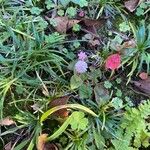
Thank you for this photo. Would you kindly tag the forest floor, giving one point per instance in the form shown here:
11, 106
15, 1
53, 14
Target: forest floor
74, 74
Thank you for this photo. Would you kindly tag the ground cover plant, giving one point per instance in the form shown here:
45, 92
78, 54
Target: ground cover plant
74, 74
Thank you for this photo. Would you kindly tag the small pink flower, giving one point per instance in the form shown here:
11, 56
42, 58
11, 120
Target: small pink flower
81, 66
82, 56
113, 61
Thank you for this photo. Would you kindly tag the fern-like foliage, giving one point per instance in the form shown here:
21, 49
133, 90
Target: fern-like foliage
134, 131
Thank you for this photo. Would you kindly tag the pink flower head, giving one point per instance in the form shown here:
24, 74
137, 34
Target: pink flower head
82, 56
113, 61
81, 66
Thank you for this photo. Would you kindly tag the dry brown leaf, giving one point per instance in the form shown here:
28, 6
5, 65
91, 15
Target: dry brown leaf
7, 122
64, 24
41, 141
131, 5
129, 44
71, 23
94, 42
126, 46
60, 101
50, 146
44, 145
8, 146
143, 85
92, 25
93, 22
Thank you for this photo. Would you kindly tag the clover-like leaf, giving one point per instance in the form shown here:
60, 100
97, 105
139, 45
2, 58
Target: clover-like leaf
79, 122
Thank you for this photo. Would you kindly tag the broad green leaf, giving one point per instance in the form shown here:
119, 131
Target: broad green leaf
85, 91
101, 94
75, 82
79, 122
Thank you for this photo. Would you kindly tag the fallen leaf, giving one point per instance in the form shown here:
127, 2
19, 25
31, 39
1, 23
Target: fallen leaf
127, 47
42, 143
50, 146
60, 101
131, 5
8, 146
71, 23
92, 25
93, 22
143, 85
94, 42
64, 24
143, 75
7, 122
129, 44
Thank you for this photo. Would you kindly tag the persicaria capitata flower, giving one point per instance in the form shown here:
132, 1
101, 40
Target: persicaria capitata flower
82, 56
81, 66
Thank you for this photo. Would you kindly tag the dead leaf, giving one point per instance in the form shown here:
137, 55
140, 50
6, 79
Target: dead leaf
131, 5
129, 44
64, 24
126, 47
7, 122
143, 85
50, 146
94, 42
143, 75
42, 143
8, 146
71, 23
60, 101
92, 25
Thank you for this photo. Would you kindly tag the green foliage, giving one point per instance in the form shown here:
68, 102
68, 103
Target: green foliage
135, 126
143, 8
139, 55
85, 91
117, 103
124, 27
75, 82
71, 11
79, 122
36, 10
37, 65
107, 84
